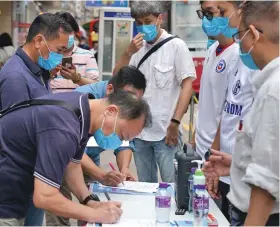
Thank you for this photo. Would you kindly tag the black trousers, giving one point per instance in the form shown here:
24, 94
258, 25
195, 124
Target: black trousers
238, 218
224, 190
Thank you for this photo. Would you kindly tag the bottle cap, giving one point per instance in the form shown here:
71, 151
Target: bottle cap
163, 185
193, 169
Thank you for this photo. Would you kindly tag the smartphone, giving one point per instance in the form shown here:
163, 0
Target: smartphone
67, 62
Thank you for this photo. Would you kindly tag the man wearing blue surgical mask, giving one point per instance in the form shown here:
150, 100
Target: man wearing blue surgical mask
84, 69
254, 166
169, 72
226, 92
26, 75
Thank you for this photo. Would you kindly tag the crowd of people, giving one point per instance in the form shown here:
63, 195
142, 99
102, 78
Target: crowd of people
52, 103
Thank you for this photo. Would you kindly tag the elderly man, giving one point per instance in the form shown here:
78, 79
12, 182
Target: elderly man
254, 189
49, 142
27, 75
169, 88
127, 79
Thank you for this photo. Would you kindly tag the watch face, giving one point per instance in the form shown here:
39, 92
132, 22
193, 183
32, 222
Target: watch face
94, 197
207, 155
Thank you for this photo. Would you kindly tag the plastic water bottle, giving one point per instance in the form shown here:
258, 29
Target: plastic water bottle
191, 189
200, 197
163, 203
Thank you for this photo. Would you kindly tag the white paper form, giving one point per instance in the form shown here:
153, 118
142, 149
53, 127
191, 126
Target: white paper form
137, 186
132, 223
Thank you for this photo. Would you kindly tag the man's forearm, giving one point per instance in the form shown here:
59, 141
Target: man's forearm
75, 181
184, 99
216, 142
124, 60
124, 159
261, 204
61, 206
85, 81
91, 169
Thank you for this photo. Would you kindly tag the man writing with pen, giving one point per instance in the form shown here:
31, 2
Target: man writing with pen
128, 79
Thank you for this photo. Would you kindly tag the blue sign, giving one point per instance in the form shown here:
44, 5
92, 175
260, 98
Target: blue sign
117, 14
107, 3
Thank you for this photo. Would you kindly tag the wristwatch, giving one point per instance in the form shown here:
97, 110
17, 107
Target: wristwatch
76, 80
207, 155
93, 197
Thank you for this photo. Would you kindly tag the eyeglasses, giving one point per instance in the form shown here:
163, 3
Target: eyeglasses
207, 14
236, 37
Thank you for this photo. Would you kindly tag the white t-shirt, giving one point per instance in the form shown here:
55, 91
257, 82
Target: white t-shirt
255, 161
164, 71
238, 103
217, 70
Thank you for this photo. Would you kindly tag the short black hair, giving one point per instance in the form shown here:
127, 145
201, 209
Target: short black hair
5, 40
49, 25
70, 20
237, 3
131, 107
128, 75
264, 15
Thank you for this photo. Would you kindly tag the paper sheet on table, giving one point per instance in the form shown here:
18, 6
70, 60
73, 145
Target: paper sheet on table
137, 186
132, 223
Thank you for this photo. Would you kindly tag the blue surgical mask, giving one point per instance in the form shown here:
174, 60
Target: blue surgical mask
71, 41
110, 142
210, 42
53, 60
247, 58
217, 26
150, 31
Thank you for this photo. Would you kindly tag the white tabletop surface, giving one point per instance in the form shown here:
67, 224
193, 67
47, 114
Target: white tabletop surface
143, 207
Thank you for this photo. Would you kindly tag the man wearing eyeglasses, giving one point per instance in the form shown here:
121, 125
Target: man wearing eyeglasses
254, 166
226, 89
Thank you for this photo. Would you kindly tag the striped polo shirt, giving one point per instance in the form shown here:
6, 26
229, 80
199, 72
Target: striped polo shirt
85, 64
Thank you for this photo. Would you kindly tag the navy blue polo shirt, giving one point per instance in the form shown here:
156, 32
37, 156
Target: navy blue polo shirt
39, 141
22, 79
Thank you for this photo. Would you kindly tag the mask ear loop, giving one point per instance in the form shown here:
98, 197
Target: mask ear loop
46, 44
116, 122
244, 37
102, 123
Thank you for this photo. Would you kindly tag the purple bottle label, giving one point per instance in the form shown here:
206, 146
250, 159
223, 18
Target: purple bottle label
205, 202
163, 202
198, 203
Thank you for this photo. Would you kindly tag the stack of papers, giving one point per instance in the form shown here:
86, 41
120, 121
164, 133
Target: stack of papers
132, 223
129, 187
143, 187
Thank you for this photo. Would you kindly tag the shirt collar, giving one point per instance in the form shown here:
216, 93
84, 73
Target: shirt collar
264, 74
31, 65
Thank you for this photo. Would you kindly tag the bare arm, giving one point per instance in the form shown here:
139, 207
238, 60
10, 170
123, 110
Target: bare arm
182, 105
85, 81
124, 159
216, 142
261, 204
112, 178
133, 47
91, 169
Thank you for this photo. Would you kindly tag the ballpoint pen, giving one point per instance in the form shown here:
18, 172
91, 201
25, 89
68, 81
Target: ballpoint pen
113, 168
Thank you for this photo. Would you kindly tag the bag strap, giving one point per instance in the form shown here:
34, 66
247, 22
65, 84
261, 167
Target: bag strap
154, 49
40, 102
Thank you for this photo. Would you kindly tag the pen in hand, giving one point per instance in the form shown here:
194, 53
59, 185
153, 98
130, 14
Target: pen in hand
113, 168
107, 196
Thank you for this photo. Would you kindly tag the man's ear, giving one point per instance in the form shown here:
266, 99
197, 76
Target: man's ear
38, 39
111, 110
109, 89
255, 32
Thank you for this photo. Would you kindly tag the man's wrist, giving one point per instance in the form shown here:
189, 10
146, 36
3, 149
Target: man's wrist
77, 78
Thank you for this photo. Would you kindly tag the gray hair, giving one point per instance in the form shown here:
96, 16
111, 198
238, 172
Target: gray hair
265, 15
145, 8
130, 106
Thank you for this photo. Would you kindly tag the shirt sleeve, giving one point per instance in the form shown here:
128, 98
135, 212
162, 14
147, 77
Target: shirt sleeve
55, 149
263, 171
184, 62
125, 146
13, 89
92, 69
